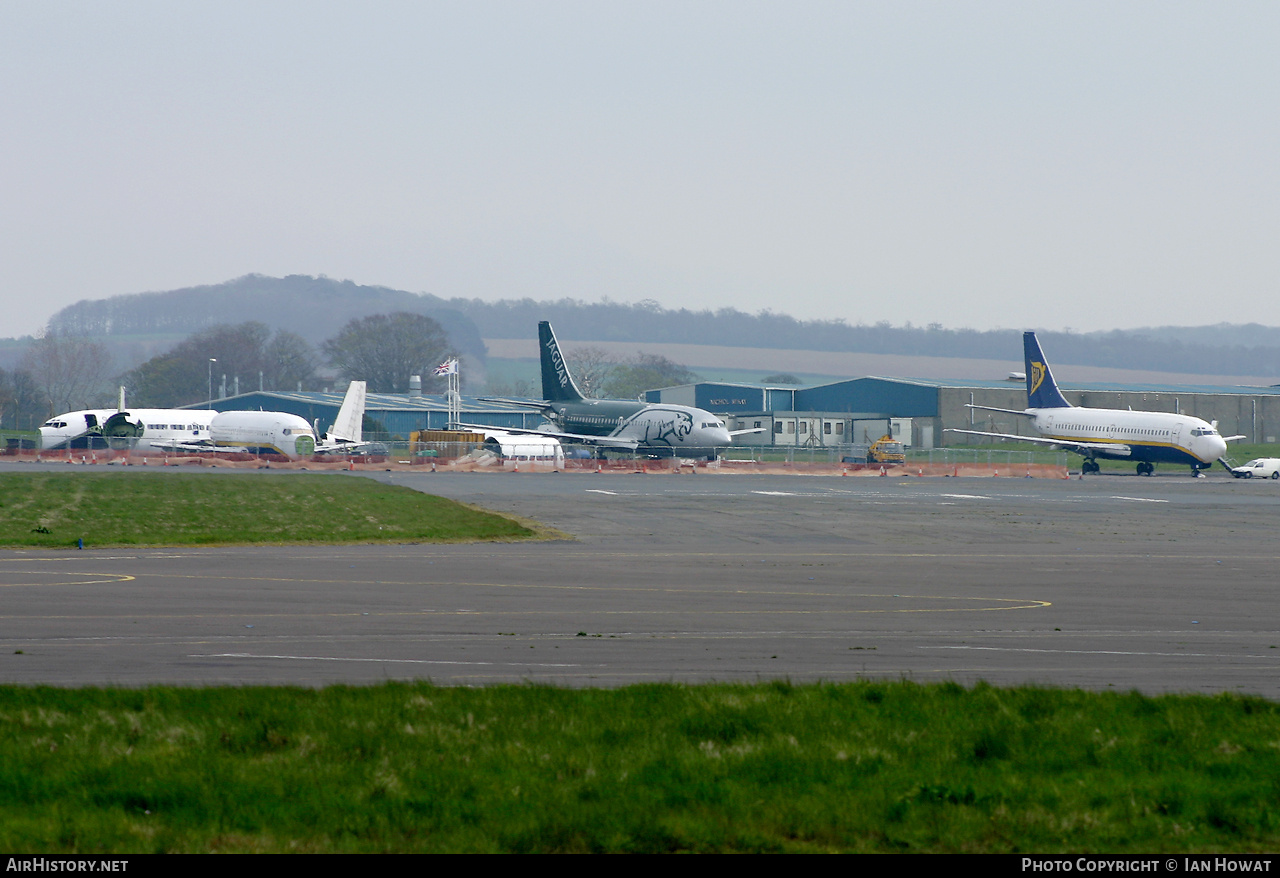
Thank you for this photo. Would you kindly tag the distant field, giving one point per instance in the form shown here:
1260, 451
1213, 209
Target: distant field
178, 509
714, 362
509, 371
852, 767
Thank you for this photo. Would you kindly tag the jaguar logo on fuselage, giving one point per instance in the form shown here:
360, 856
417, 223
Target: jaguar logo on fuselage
670, 430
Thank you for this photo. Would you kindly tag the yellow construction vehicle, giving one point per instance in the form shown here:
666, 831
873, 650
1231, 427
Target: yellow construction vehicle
886, 449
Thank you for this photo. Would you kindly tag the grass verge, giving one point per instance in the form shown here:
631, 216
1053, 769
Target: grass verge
55, 510
663, 767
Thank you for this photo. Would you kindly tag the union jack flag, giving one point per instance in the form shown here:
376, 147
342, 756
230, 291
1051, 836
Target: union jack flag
448, 367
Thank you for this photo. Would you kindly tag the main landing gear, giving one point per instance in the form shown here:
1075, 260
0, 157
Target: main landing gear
1089, 465
1146, 468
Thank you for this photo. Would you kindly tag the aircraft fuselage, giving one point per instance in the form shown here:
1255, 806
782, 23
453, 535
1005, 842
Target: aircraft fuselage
652, 425
1155, 437
138, 429
181, 430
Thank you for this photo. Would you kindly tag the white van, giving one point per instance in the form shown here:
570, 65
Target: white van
1262, 468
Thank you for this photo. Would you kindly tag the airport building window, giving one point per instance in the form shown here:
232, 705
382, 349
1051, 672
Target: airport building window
826, 427
777, 427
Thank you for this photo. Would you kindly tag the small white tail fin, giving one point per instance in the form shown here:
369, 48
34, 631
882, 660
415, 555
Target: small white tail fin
351, 416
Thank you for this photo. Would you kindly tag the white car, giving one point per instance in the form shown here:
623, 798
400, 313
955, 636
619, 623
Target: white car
1262, 468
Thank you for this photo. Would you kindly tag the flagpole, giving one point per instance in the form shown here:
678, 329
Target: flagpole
453, 395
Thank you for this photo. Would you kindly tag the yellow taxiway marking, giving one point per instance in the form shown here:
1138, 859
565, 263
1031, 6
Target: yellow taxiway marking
110, 578
394, 661
1011, 604
612, 588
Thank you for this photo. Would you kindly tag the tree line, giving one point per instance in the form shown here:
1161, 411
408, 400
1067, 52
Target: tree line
1244, 350
599, 375
315, 307
62, 372
306, 322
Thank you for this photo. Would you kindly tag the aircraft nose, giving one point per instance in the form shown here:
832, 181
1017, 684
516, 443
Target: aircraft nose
1209, 448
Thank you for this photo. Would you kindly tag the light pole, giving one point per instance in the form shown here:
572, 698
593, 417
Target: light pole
210, 402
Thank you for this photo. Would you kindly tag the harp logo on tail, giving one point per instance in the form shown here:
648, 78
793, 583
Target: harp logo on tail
1037, 375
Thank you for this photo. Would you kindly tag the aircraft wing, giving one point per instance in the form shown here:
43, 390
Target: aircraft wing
345, 447
526, 403
752, 430
200, 447
1115, 449
1025, 413
578, 438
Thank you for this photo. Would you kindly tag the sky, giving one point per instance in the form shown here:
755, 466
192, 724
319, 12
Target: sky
1053, 165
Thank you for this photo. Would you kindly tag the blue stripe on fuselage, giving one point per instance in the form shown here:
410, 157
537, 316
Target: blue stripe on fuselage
1154, 452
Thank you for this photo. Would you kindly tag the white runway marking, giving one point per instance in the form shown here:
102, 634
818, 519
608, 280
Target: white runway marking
1095, 652
338, 658
1140, 499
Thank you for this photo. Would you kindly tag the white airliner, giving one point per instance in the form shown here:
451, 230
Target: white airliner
1120, 434
205, 431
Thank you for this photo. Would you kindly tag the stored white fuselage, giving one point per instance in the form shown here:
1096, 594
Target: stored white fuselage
525, 448
263, 433
140, 429
179, 430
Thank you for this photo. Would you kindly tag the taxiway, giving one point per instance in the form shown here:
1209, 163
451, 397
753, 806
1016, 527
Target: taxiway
1163, 584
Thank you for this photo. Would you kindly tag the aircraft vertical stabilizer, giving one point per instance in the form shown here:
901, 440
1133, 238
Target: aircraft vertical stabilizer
349, 423
557, 383
1042, 390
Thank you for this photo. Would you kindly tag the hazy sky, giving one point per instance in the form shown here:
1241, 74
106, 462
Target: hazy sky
982, 164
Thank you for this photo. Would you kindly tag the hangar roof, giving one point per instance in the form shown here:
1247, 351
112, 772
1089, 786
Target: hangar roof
995, 384
398, 413
899, 397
